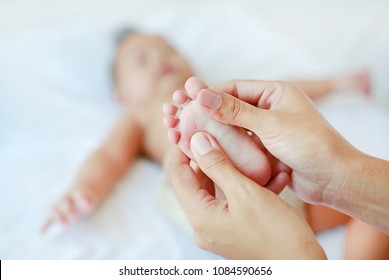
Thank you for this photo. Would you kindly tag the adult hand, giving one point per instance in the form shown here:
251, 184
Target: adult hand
251, 222
290, 128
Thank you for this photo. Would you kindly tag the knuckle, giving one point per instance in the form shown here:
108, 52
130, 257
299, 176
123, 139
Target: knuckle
197, 223
217, 162
278, 91
280, 86
230, 85
200, 242
236, 109
289, 86
205, 242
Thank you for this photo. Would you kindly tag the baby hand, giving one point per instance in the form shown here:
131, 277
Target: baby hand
70, 208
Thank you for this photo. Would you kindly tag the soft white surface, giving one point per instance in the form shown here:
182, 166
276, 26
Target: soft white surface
56, 104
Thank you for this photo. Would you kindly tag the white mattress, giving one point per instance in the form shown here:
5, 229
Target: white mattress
56, 104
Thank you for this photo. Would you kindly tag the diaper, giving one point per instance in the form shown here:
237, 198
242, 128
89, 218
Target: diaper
171, 206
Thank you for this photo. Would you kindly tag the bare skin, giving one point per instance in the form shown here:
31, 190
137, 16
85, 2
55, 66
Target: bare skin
334, 174
320, 218
317, 89
187, 119
147, 72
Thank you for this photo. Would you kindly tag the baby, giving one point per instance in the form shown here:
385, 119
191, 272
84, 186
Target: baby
147, 70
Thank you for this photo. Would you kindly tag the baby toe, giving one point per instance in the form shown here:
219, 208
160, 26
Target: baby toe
180, 97
170, 121
193, 85
169, 109
173, 136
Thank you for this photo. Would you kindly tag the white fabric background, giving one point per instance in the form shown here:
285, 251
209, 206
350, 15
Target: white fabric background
56, 104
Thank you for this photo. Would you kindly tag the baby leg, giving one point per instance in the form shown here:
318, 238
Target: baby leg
363, 242
357, 82
322, 218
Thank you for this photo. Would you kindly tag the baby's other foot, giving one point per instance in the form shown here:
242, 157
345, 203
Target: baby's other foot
188, 118
363, 81
358, 81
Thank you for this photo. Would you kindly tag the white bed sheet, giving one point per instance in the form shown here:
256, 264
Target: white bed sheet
56, 104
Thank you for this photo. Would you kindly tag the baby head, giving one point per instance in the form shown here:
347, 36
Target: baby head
146, 64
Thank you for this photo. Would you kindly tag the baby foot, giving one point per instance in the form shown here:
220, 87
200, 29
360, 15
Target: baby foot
77, 204
359, 81
362, 81
188, 118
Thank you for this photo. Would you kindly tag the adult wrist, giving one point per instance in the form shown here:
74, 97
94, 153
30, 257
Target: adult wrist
341, 189
363, 192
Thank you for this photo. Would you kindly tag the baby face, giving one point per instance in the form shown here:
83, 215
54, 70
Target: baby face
145, 65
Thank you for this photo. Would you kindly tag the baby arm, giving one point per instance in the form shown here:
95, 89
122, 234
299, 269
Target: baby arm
99, 174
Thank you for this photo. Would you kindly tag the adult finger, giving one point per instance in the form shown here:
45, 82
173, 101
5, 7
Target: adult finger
217, 166
262, 94
193, 198
231, 110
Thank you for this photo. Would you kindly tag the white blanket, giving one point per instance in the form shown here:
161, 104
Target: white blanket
56, 104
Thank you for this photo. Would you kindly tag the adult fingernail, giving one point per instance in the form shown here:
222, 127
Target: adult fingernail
200, 144
210, 99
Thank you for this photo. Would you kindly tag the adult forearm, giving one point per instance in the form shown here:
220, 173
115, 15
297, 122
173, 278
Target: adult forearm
364, 192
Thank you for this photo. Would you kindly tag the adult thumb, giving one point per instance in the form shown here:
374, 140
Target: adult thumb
228, 109
216, 165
